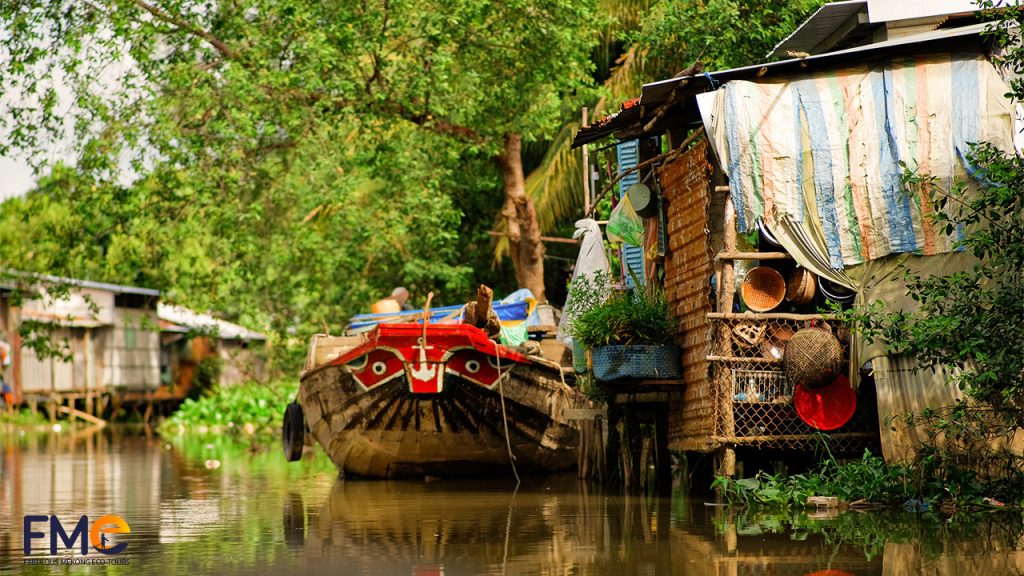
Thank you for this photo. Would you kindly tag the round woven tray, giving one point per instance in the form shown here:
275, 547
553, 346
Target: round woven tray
763, 289
813, 358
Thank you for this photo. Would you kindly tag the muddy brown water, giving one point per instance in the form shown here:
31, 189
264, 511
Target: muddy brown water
217, 507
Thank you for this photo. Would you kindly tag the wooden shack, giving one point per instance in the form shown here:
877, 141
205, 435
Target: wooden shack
104, 337
188, 338
766, 168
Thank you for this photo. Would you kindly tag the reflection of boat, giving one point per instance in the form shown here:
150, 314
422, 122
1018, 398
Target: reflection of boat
413, 400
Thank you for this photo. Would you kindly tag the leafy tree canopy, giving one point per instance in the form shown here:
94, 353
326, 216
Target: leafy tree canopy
283, 162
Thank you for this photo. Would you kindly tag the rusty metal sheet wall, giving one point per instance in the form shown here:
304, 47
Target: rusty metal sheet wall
686, 186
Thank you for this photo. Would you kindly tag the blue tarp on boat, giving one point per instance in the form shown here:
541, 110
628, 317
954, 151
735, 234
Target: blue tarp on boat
507, 312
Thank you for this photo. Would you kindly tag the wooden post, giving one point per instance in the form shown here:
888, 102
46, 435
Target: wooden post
663, 458
586, 170
13, 319
726, 297
89, 400
614, 445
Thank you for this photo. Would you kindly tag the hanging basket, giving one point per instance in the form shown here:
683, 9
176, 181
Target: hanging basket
813, 358
654, 362
763, 289
801, 286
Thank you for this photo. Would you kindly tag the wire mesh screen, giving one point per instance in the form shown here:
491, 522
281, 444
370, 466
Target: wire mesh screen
754, 398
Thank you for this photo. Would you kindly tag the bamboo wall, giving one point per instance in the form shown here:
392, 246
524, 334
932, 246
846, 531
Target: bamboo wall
686, 189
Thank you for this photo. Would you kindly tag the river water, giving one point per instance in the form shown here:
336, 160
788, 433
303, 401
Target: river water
221, 507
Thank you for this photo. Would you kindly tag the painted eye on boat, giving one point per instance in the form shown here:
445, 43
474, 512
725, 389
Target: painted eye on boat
379, 368
358, 364
472, 366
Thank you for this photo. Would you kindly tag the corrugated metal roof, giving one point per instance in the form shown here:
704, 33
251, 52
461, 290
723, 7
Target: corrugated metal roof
655, 93
628, 114
224, 330
819, 26
46, 278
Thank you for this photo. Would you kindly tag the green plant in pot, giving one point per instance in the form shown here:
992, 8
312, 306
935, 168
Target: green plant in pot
629, 336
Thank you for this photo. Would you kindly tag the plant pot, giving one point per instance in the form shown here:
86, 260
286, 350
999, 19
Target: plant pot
644, 361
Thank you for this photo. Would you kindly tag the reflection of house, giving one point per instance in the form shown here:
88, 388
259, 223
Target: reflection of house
188, 337
808, 152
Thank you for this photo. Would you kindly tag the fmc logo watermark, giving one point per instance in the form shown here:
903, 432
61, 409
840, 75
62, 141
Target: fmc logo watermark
100, 536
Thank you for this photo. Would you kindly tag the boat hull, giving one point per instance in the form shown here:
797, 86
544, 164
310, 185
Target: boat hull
388, 431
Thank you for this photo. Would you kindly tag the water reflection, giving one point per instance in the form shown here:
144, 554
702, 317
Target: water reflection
205, 506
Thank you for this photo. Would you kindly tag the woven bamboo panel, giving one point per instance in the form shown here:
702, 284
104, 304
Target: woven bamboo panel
754, 399
685, 186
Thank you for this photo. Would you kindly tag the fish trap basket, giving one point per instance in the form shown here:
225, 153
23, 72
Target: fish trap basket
763, 289
635, 362
813, 358
752, 399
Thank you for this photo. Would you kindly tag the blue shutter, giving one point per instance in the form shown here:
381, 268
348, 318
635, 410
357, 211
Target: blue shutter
632, 256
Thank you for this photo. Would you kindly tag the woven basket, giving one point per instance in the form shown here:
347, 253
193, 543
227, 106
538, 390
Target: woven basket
801, 286
813, 358
763, 289
635, 362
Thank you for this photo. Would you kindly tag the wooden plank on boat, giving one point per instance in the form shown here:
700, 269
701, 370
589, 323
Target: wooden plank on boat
585, 413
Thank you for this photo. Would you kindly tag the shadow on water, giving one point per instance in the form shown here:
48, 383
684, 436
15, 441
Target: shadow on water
218, 506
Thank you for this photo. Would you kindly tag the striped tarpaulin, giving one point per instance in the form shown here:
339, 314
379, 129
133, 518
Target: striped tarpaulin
835, 146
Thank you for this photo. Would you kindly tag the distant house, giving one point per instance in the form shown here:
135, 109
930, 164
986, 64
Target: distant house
105, 337
188, 337
108, 344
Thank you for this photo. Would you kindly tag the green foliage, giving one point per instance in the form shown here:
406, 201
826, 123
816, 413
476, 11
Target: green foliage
932, 480
15, 420
206, 376
632, 317
282, 163
720, 33
958, 314
251, 409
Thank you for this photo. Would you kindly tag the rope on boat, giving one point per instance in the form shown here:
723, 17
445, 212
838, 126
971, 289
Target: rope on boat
504, 416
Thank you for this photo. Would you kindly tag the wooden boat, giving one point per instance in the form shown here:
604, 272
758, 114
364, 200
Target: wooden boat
415, 400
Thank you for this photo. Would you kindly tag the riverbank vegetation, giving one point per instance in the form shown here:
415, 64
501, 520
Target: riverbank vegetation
16, 421
249, 411
937, 480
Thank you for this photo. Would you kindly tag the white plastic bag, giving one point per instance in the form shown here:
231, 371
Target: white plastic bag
592, 263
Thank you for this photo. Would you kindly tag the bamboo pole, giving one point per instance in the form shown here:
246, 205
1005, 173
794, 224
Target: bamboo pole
768, 316
586, 170
82, 415
753, 256
743, 360
790, 437
726, 295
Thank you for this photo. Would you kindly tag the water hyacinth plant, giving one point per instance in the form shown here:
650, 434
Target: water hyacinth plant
248, 409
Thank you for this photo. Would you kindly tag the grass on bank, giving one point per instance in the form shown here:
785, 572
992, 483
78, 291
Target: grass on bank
247, 410
929, 483
23, 419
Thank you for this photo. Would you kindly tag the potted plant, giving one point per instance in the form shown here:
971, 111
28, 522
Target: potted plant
629, 336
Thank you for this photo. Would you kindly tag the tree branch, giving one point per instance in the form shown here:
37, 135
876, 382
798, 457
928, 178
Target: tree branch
169, 18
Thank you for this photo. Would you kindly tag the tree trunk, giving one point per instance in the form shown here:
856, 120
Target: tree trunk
525, 247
